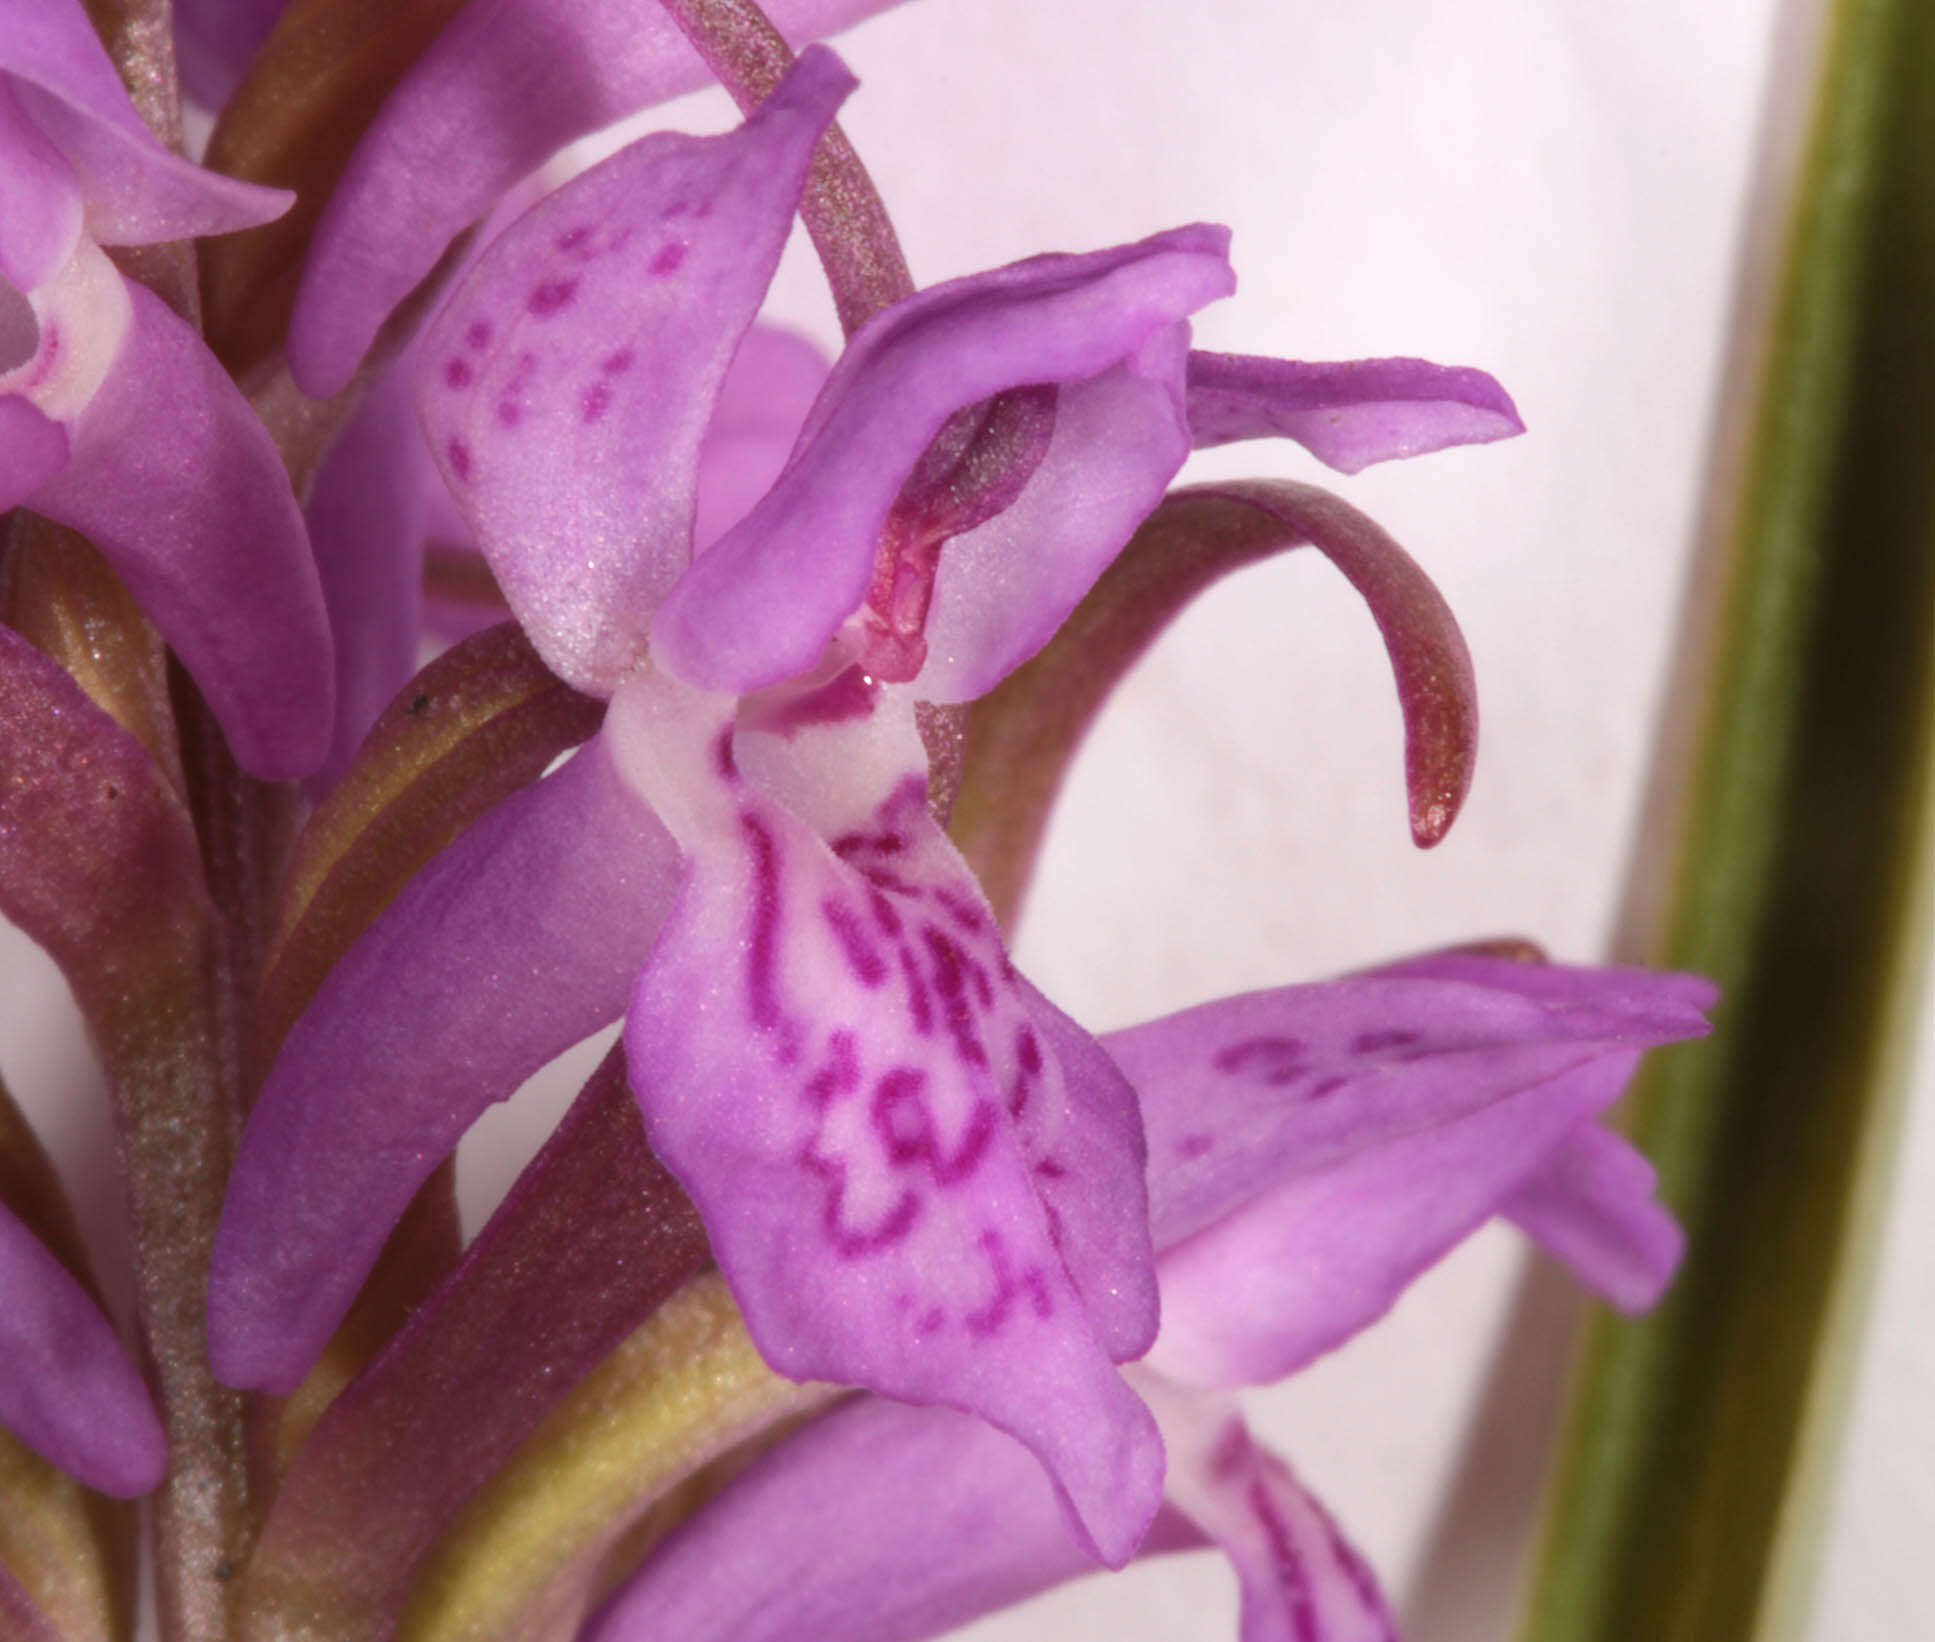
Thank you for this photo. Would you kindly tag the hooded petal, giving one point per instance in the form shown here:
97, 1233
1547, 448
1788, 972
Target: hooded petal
1301, 1580
137, 192
507, 84
178, 484
566, 386
1304, 1264
1591, 1204
831, 1055
517, 941
1347, 415
760, 605
67, 1389
1005, 587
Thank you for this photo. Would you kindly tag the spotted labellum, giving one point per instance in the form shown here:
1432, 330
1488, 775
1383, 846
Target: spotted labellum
1016, 1270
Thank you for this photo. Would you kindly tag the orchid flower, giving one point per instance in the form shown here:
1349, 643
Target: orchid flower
1312, 1150
67, 1389
117, 421
917, 1175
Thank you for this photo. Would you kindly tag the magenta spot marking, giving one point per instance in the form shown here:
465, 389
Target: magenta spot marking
509, 413
456, 373
868, 967
574, 238
1191, 1147
905, 1124
596, 401
892, 882
931, 1321
1231, 1450
458, 455
478, 333
1323, 1086
884, 914
1049, 1169
850, 844
677, 208
617, 364
1272, 1060
551, 296
920, 1007
961, 910
1027, 1070
666, 260
1362, 1580
723, 763
1007, 1289
1368, 1043
1028, 1050
762, 951
950, 981
702, 210
841, 1074
1292, 1577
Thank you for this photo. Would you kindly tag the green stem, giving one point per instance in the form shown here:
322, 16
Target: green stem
1788, 845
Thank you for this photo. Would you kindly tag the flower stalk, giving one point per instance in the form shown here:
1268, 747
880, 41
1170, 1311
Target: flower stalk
1788, 855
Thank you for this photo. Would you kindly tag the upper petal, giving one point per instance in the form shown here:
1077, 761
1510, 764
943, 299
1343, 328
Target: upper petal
1347, 415
761, 604
67, 1389
507, 84
518, 940
137, 192
565, 387
178, 484
831, 1054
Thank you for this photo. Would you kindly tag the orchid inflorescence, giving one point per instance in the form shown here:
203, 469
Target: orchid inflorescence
862, 1291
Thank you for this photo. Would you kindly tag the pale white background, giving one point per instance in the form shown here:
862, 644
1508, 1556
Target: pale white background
1553, 189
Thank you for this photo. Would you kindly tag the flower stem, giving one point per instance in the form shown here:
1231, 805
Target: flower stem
841, 207
1787, 856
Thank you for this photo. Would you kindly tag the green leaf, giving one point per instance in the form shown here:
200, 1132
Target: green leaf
1787, 857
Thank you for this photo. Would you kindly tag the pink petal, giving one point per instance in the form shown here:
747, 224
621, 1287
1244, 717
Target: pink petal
761, 604
1347, 415
831, 1056
137, 192
1005, 587
214, 40
565, 387
367, 516
517, 941
179, 486
877, 1523
40, 199
1591, 1204
507, 84
32, 450
1301, 1580
763, 402
67, 1389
